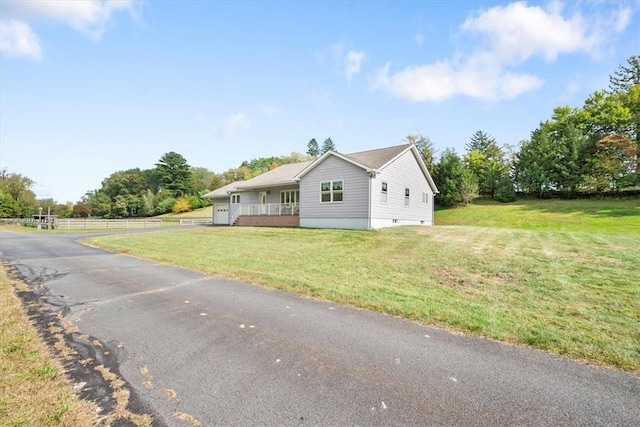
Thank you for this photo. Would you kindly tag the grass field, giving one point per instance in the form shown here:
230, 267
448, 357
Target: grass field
594, 215
196, 213
561, 276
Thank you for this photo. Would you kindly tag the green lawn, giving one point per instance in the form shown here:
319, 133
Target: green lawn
196, 213
594, 215
533, 273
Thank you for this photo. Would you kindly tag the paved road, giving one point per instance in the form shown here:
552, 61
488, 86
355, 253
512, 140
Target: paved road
194, 347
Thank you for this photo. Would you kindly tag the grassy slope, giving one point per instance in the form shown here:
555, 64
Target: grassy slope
197, 213
595, 216
534, 273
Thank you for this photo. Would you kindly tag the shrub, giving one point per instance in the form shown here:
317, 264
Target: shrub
165, 206
181, 205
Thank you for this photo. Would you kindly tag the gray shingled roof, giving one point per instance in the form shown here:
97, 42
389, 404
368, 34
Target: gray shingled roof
375, 159
221, 192
281, 175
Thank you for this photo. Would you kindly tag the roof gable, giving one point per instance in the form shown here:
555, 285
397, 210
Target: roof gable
371, 160
377, 159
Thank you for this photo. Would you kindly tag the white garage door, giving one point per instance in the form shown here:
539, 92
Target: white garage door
221, 214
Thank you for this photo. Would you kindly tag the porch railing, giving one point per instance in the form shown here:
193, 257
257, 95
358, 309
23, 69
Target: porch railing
269, 209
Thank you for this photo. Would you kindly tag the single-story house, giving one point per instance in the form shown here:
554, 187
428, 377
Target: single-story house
365, 190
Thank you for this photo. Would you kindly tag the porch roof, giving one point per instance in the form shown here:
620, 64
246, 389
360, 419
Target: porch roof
278, 177
282, 175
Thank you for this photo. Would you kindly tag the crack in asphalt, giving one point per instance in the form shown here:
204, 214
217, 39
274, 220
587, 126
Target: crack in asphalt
82, 355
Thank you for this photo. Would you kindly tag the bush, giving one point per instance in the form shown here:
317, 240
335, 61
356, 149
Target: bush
194, 201
506, 192
181, 205
165, 206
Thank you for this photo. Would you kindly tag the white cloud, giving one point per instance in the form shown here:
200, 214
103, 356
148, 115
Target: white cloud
622, 19
503, 37
234, 123
17, 39
354, 62
517, 32
441, 81
351, 60
89, 17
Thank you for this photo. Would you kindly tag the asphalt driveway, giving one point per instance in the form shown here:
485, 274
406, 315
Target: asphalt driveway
194, 348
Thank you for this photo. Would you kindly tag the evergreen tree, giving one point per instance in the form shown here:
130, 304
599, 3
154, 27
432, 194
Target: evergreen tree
486, 160
313, 149
625, 76
174, 174
457, 184
327, 146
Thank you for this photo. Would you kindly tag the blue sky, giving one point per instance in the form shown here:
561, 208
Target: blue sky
88, 88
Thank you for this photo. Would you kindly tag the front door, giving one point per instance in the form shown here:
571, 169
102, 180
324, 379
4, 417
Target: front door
263, 203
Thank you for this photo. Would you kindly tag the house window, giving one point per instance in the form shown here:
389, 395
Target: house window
425, 198
407, 197
288, 197
235, 198
383, 193
331, 191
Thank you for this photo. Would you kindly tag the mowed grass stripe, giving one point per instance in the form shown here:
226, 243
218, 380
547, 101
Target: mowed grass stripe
571, 293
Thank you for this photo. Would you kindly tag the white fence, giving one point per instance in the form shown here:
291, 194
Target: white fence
92, 223
271, 209
82, 223
196, 221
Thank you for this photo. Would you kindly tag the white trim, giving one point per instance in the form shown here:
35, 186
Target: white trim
331, 181
384, 192
321, 159
377, 223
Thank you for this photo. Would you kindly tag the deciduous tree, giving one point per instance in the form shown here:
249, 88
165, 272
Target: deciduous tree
425, 147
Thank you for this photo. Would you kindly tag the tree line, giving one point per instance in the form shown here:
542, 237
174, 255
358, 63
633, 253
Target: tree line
594, 149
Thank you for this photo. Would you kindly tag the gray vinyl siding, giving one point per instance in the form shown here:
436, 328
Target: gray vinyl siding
355, 191
248, 198
404, 172
273, 195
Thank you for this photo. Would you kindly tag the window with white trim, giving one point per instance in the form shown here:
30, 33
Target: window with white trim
407, 197
235, 198
383, 193
287, 197
425, 198
331, 191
